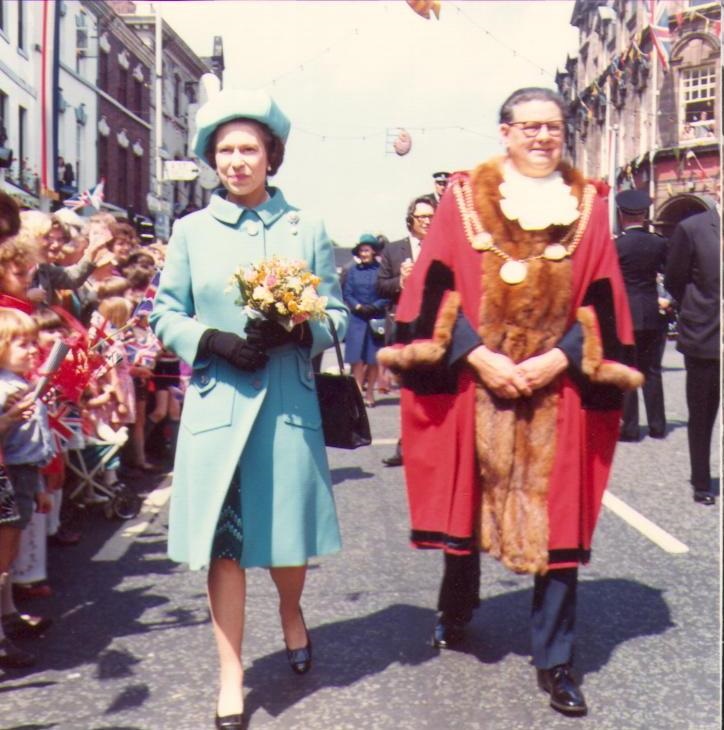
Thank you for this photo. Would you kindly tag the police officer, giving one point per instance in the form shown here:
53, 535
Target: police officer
642, 256
440, 179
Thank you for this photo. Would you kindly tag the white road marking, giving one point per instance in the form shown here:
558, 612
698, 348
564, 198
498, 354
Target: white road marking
383, 442
648, 529
152, 505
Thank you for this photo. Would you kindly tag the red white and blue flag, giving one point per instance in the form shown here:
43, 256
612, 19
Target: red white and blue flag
66, 426
49, 85
146, 304
88, 197
660, 33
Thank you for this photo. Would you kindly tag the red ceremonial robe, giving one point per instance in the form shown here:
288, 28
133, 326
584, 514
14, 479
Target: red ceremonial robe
440, 406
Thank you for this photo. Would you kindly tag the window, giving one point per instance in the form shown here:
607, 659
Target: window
138, 187
697, 94
123, 86
138, 98
78, 153
103, 71
22, 162
176, 95
3, 117
21, 26
103, 161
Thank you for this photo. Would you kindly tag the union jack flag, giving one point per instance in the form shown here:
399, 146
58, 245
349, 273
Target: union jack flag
146, 304
660, 33
66, 426
92, 197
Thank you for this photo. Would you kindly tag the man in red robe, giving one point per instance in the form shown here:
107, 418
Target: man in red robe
513, 338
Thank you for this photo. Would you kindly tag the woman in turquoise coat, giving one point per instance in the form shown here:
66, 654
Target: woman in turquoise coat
251, 485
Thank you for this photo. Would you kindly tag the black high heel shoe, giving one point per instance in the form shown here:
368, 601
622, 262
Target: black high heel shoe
300, 660
229, 722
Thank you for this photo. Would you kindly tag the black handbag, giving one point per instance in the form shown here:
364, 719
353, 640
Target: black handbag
344, 416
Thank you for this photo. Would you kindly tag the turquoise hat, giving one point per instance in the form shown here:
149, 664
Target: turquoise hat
231, 104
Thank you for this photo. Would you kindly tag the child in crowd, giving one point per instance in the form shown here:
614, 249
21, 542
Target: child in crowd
27, 447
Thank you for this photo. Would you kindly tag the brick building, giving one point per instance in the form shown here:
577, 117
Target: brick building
642, 94
124, 125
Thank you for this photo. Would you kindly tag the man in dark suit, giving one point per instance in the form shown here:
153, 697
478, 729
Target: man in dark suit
693, 275
396, 264
642, 256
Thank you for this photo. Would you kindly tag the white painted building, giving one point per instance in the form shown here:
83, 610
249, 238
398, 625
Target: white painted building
78, 106
19, 95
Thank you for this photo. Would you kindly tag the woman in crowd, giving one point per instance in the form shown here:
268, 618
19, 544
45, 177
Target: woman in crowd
360, 295
251, 482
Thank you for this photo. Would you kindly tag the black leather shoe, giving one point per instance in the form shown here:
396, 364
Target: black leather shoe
704, 498
629, 437
447, 634
229, 722
657, 434
394, 460
24, 626
12, 657
565, 694
300, 660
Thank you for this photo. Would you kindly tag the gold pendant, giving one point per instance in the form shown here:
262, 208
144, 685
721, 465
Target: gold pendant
554, 252
513, 272
482, 241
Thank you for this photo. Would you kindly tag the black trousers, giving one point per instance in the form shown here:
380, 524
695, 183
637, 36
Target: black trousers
650, 346
553, 610
702, 401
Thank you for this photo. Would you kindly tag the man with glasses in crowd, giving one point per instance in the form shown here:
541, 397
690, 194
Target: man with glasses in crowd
396, 265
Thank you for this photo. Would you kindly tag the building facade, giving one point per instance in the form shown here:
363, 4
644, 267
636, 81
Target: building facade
642, 93
124, 86
182, 69
19, 102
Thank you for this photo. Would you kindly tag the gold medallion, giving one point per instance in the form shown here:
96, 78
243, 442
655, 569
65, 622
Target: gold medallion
482, 241
554, 252
513, 272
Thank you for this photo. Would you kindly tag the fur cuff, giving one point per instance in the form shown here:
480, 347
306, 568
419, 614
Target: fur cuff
425, 353
593, 364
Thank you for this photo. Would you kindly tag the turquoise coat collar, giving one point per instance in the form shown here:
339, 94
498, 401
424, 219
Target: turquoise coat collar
228, 212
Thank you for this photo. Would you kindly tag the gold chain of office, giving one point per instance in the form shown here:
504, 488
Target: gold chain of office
514, 271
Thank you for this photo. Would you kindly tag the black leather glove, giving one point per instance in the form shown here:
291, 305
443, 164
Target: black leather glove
265, 334
366, 311
241, 353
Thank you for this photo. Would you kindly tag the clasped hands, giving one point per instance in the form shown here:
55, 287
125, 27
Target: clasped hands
508, 379
249, 353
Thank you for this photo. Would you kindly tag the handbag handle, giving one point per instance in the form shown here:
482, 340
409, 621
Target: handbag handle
337, 348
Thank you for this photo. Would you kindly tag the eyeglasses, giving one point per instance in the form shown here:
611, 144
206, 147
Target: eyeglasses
425, 217
532, 129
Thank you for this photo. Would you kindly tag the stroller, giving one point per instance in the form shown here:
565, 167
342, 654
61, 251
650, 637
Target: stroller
88, 464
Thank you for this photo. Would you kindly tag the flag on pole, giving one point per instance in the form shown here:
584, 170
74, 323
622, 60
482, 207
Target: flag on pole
660, 33
49, 85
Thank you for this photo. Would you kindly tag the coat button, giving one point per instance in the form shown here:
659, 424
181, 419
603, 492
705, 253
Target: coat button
204, 380
251, 227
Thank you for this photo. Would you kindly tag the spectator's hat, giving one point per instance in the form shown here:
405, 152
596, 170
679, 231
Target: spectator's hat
633, 201
366, 239
230, 104
441, 177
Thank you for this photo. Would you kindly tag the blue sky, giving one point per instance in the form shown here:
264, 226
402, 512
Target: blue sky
346, 72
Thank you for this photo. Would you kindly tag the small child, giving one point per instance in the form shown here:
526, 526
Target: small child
27, 447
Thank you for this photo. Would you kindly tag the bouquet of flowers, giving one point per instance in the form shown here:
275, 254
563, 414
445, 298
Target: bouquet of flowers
282, 290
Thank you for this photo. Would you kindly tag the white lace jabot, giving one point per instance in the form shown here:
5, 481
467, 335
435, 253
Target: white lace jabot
537, 202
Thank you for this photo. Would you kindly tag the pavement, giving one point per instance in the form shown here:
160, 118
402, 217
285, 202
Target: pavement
131, 648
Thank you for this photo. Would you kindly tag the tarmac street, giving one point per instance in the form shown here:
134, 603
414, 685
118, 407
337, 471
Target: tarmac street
131, 647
